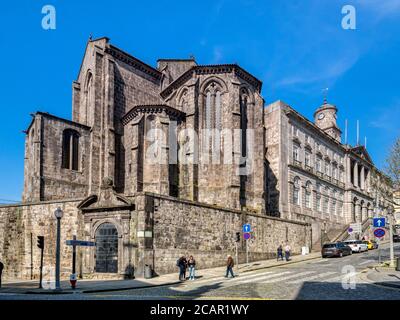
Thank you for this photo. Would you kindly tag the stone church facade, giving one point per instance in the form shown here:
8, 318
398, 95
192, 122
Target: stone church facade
160, 162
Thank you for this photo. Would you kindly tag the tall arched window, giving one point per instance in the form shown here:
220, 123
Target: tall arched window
88, 90
70, 149
213, 107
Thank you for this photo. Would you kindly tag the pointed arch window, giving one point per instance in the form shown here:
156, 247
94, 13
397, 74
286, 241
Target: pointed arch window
213, 107
88, 98
70, 149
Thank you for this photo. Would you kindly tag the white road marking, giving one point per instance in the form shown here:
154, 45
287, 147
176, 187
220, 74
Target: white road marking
264, 277
318, 276
288, 277
240, 276
365, 262
342, 276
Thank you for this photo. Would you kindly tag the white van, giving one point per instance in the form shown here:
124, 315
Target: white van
357, 245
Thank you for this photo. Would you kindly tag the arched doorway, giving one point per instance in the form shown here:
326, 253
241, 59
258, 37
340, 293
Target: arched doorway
106, 248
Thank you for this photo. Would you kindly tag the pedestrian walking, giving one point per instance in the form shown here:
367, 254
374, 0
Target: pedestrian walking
181, 263
192, 267
229, 266
1, 271
287, 252
279, 254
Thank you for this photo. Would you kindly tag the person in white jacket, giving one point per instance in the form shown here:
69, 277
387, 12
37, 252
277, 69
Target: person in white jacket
287, 252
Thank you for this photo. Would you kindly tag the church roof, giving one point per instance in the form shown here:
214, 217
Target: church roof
212, 69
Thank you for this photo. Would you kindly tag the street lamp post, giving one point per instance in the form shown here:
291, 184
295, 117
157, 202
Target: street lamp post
58, 214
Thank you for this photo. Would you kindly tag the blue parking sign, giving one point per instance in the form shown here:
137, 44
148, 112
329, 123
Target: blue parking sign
247, 227
379, 222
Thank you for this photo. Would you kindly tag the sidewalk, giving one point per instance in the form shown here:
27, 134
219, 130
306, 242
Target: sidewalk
91, 286
384, 276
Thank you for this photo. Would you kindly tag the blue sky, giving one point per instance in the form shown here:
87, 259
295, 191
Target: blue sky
296, 48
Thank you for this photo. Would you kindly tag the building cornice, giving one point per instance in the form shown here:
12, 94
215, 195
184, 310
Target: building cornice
151, 108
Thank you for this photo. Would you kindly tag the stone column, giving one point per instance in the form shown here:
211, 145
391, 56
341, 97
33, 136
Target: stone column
362, 186
355, 175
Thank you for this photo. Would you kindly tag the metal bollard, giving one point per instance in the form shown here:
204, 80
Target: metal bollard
398, 264
148, 273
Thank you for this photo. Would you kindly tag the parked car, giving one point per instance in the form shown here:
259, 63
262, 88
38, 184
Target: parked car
396, 238
371, 244
336, 249
357, 245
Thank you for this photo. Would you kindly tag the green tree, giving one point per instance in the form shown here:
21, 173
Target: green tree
392, 167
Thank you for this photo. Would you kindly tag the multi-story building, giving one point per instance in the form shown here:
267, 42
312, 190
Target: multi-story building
313, 176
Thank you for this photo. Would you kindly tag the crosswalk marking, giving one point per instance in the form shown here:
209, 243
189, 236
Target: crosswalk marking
317, 276
288, 277
241, 276
342, 276
264, 277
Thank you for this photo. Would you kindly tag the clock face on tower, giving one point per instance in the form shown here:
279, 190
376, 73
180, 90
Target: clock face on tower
321, 116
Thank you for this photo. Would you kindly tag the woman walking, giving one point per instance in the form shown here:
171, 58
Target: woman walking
229, 266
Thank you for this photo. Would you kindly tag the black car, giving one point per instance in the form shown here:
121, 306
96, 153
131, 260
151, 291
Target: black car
396, 238
336, 249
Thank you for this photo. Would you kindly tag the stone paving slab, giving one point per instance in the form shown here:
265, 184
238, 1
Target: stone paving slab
96, 285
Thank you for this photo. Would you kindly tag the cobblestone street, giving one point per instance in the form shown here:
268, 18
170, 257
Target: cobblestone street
319, 279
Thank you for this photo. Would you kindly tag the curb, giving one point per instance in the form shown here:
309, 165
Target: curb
379, 284
50, 292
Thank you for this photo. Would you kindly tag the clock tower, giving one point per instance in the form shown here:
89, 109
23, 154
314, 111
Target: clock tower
325, 118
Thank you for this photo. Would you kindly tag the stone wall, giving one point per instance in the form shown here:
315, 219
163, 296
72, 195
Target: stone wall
21, 223
208, 233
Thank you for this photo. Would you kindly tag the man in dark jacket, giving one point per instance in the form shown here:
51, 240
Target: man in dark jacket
181, 263
279, 253
229, 266
1, 271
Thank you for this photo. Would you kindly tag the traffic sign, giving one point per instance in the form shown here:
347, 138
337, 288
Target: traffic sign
350, 230
356, 227
379, 222
80, 243
247, 227
379, 232
246, 236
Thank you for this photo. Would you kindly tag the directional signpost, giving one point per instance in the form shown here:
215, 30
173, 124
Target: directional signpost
246, 236
379, 222
74, 243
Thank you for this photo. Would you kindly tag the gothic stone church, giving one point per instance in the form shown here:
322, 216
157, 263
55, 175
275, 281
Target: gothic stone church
95, 168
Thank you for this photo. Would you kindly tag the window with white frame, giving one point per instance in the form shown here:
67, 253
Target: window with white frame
334, 172
296, 191
318, 197
308, 194
296, 155
307, 158
318, 164
326, 200
327, 168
